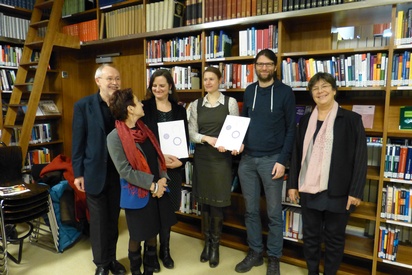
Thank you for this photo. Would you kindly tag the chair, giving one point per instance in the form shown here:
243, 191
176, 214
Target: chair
18, 208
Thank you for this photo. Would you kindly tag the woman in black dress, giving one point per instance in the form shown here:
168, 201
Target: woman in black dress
162, 106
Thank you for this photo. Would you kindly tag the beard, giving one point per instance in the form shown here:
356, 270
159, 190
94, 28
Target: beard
267, 78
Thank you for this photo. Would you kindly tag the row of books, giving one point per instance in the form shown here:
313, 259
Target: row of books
292, 223
37, 156
41, 133
236, 76
374, 147
396, 202
188, 173
165, 14
7, 79
25, 4
76, 6
403, 29
175, 49
216, 10
194, 12
184, 77
253, 40
188, 203
124, 21
388, 242
13, 27
10, 55
370, 191
357, 70
398, 162
401, 74
291, 5
86, 31
218, 45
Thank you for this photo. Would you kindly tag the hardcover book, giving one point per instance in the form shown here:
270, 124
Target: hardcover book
367, 112
405, 118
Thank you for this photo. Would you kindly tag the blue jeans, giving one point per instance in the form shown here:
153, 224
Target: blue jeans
252, 171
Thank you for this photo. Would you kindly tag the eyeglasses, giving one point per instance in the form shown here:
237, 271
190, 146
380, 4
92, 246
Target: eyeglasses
268, 65
316, 89
111, 79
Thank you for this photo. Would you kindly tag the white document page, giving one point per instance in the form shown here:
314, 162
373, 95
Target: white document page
172, 138
233, 132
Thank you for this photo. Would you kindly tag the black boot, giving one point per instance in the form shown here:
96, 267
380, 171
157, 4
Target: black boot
149, 260
204, 257
164, 252
216, 231
135, 259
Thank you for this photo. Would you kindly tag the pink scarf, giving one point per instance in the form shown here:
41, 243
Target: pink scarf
316, 156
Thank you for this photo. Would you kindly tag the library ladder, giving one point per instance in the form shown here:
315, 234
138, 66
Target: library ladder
44, 33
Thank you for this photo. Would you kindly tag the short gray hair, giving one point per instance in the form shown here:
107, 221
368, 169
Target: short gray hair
100, 69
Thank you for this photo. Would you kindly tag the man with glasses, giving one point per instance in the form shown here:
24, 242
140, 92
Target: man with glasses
270, 104
94, 170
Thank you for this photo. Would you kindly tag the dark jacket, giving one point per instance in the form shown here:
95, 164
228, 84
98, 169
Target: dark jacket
89, 149
150, 116
348, 166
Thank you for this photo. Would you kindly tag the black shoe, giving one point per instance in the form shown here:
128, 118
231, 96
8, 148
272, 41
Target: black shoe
252, 259
101, 271
117, 268
164, 255
273, 266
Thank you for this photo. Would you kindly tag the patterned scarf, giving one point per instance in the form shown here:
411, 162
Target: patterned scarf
129, 137
316, 156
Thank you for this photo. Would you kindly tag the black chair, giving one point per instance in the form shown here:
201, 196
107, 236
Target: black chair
18, 208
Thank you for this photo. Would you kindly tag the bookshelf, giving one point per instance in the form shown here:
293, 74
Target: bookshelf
301, 33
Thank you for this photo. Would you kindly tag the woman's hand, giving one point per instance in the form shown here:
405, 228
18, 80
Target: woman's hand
210, 140
235, 152
161, 183
352, 201
172, 162
293, 195
221, 149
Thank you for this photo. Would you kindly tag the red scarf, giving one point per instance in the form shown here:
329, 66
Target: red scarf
129, 137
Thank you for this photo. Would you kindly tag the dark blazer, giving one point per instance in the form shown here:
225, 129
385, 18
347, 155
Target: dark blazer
150, 116
89, 149
348, 166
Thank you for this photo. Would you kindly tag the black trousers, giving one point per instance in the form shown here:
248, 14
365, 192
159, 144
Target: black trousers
328, 227
104, 210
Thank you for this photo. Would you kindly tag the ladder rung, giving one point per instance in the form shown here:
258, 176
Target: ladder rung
28, 64
16, 105
23, 84
34, 44
39, 24
12, 126
47, 4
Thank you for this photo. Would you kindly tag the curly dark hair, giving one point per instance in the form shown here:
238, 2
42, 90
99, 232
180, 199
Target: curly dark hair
119, 101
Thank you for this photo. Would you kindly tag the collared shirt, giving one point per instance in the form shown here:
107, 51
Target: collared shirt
195, 136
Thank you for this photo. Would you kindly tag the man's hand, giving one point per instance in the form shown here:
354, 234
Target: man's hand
79, 183
278, 171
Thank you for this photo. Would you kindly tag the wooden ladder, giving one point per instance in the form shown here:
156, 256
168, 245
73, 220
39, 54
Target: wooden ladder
43, 34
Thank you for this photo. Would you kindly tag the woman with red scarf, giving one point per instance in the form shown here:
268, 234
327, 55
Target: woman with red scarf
136, 154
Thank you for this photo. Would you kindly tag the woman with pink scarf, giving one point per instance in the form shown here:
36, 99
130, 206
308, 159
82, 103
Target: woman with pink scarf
327, 173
